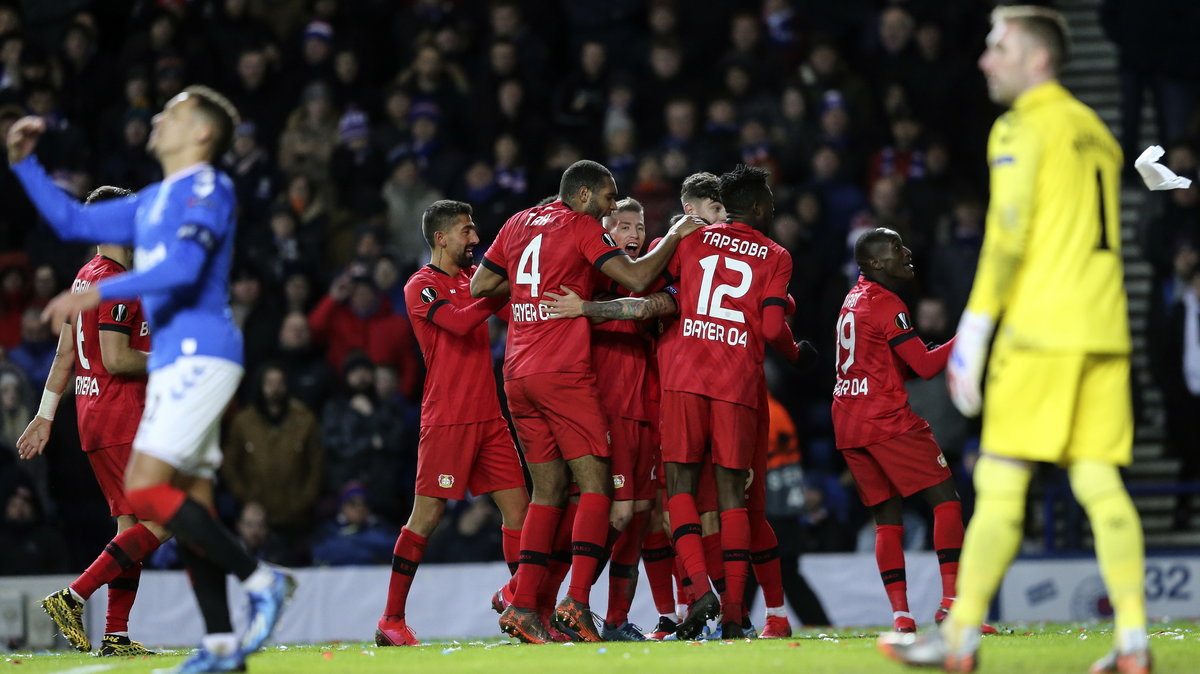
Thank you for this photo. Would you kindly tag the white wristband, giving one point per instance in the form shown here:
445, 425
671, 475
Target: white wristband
49, 404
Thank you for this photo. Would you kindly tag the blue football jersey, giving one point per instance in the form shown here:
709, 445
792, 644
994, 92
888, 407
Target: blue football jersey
182, 230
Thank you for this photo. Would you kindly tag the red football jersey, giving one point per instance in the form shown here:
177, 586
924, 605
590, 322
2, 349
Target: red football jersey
108, 407
620, 357
727, 273
870, 403
459, 386
538, 250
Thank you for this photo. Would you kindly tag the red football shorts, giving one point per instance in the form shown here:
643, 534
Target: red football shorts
633, 460
692, 423
109, 465
557, 415
478, 457
900, 466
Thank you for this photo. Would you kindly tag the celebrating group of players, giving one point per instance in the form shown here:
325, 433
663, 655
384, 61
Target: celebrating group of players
586, 402
634, 382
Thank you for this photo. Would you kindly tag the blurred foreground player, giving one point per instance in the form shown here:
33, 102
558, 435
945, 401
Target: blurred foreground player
108, 347
1049, 285
182, 230
465, 443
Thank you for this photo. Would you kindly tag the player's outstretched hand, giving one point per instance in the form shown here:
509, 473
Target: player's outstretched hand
566, 305
33, 440
67, 305
687, 225
964, 371
23, 136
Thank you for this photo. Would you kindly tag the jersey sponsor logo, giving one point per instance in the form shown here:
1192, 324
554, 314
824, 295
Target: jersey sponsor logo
853, 386
120, 313
527, 312
80, 286
735, 245
86, 386
714, 332
902, 321
1004, 159
428, 294
145, 329
445, 481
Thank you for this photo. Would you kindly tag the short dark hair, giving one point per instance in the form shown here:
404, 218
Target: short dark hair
698, 186
864, 247
742, 187
583, 173
106, 192
1046, 26
441, 215
219, 111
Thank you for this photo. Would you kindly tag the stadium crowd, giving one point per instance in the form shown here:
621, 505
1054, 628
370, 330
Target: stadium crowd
357, 114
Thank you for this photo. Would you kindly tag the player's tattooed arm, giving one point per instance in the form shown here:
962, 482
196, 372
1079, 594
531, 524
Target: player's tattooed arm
570, 305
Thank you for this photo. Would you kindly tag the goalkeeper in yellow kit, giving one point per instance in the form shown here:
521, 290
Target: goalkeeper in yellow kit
1049, 287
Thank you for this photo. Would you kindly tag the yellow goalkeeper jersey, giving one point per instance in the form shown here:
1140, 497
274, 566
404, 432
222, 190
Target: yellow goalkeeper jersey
1050, 269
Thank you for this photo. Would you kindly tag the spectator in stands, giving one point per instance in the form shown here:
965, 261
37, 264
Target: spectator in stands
130, 165
469, 532
32, 547
307, 142
580, 99
45, 286
256, 536
358, 168
362, 435
407, 195
14, 298
255, 178
310, 379
1179, 363
255, 312
952, 263
440, 162
273, 454
35, 353
355, 537
930, 398
257, 95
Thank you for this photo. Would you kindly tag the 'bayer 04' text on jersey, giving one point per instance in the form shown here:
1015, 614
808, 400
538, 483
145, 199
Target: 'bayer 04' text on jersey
726, 274
182, 230
870, 403
108, 407
538, 250
459, 386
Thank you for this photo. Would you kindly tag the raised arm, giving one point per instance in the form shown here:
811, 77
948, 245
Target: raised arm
637, 275
927, 363
110, 221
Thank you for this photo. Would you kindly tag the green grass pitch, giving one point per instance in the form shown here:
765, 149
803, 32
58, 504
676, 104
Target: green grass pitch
1025, 649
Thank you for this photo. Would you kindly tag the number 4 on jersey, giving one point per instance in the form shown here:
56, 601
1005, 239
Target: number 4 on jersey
527, 268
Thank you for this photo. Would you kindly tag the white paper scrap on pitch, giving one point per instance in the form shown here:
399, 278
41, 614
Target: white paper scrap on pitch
1156, 176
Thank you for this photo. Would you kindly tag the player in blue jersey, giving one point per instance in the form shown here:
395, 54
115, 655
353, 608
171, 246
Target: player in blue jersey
182, 230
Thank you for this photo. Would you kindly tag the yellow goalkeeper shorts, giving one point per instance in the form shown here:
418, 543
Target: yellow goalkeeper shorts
1058, 407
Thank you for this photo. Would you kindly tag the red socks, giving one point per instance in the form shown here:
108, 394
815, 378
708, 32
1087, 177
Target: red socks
124, 552
948, 540
889, 554
735, 546
622, 571
764, 555
588, 538
406, 556
157, 503
659, 560
121, 593
512, 547
560, 560
714, 561
688, 547
536, 538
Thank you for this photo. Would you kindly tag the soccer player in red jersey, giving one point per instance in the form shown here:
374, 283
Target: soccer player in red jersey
889, 449
107, 345
550, 383
732, 291
465, 443
620, 357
